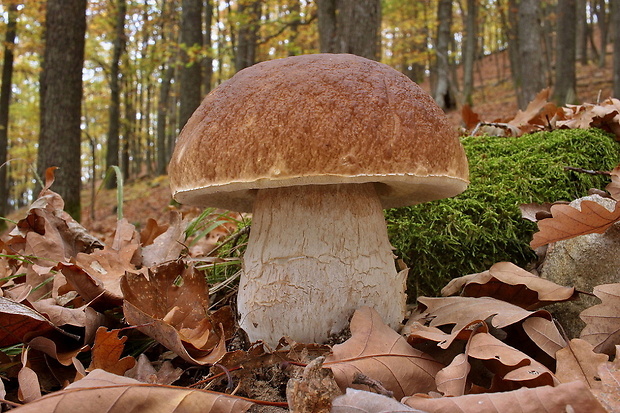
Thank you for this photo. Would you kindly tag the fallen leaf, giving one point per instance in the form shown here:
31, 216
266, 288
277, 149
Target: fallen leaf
382, 354
101, 392
470, 118
171, 306
568, 222
609, 374
614, 186
168, 245
574, 396
452, 379
545, 334
360, 401
19, 323
107, 351
507, 282
145, 372
462, 311
509, 363
578, 361
313, 390
602, 328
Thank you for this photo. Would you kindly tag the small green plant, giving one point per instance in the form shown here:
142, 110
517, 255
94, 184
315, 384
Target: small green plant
467, 234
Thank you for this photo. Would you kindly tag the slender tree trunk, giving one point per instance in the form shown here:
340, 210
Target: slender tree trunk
250, 12
163, 152
350, 26
208, 61
582, 32
443, 90
469, 53
566, 42
533, 76
114, 113
191, 48
61, 98
615, 15
509, 20
600, 10
328, 26
5, 101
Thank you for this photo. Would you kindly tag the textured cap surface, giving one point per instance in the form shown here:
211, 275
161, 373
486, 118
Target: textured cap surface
312, 120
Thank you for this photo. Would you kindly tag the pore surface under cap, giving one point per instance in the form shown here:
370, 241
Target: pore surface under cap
312, 120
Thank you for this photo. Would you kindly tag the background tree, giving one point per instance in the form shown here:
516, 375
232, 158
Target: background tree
350, 26
530, 57
615, 14
5, 98
444, 90
470, 50
61, 97
190, 74
112, 157
565, 89
249, 13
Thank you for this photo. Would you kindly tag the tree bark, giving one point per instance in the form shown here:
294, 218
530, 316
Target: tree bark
250, 12
61, 98
191, 69
566, 49
5, 102
443, 93
582, 32
469, 53
350, 26
530, 56
615, 15
600, 10
114, 111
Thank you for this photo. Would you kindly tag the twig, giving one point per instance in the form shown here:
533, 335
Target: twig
587, 171
375, 385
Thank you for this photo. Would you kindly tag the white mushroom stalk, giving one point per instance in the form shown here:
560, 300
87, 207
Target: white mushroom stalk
315, 254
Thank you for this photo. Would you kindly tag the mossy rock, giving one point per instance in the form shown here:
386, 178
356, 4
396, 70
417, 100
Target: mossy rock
466, 234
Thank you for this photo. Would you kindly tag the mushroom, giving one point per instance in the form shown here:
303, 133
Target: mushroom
316, 146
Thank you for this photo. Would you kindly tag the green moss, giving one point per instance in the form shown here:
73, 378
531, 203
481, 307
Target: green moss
467, 234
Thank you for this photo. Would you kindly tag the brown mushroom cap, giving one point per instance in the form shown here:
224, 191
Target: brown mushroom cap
313, 120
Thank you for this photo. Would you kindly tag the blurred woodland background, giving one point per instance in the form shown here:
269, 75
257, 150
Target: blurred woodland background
87, 85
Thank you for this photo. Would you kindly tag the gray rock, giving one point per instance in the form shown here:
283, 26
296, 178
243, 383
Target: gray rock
583, 262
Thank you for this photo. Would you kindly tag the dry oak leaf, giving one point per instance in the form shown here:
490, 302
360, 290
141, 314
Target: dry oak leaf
360, 401
609, 374
452, 379
536, 114
19, 323
578, 361
614, 186
568, 222
545, 334
508, 282
103, 392
539, 399
107, 351
168, 245
382, 354
508, 363
145, 372
462, 311
415, 333
602, 328
171, 306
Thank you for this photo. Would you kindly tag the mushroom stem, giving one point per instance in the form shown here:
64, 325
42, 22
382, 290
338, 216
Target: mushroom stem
315, 254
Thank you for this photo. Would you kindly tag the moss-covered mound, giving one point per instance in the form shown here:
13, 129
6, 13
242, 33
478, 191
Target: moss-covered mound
466, 234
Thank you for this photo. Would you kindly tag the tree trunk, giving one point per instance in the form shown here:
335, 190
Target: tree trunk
163, 151
191, 48
566, 42
208, 60
5, 101
509, 21
600, 10
469, 53
615, 15
582, 32
530, 56
350, 26
328, 26
114, 113
250, 12
61, 98
443, 90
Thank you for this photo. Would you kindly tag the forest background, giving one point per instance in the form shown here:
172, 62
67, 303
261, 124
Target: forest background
88, 85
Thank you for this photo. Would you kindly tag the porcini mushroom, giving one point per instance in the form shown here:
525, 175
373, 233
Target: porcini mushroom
316, 146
